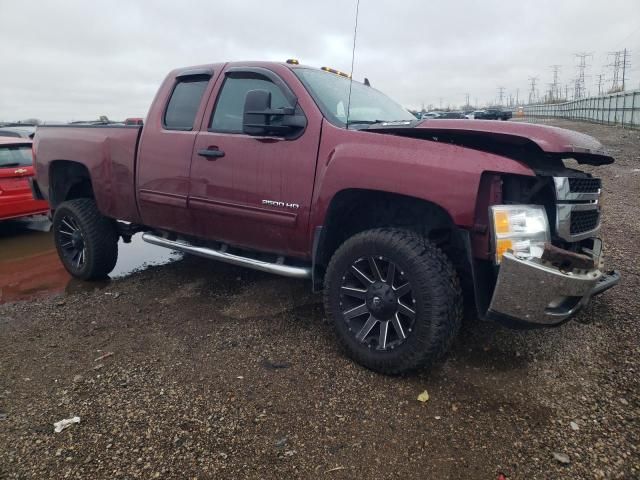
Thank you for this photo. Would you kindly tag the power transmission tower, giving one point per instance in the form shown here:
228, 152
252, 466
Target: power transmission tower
532, 91
625, 65
549, 95
555, 86
600, 84
500, 94
615, 66
467, 99
582, 66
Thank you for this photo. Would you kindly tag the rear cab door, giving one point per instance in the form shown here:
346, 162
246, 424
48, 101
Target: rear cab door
166, 146
257, 192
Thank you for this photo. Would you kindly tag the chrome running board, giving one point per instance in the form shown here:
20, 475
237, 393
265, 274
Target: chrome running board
278, 267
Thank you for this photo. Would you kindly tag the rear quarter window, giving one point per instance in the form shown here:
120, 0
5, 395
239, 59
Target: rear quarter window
184, 103
15, 156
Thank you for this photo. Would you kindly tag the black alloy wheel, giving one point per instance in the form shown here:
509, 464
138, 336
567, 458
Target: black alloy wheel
376, 302
86, 240
394, 298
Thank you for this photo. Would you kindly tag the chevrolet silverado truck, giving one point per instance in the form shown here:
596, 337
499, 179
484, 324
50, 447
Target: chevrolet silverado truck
302, 172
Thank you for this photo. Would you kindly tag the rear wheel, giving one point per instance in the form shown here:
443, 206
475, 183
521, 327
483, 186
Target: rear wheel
87, 241
394, 298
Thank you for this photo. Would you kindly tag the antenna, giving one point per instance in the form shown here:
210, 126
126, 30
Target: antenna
353, 56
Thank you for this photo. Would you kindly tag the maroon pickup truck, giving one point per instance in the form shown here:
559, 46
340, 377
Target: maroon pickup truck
300, 172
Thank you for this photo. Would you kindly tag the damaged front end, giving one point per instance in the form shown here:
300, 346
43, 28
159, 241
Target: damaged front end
536, 254
549, 290
544, 246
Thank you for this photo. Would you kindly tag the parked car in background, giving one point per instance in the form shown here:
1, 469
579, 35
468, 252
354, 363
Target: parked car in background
428, 115
18, 131
16, 167
493, 114
450, 115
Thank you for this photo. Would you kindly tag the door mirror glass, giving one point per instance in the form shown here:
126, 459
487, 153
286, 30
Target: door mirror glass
260, 119
255, 118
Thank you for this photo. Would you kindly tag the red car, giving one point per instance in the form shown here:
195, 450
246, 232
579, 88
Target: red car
16, 167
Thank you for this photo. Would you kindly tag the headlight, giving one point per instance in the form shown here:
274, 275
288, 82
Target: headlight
523, 229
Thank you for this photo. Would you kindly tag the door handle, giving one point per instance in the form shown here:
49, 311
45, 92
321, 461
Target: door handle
211, 153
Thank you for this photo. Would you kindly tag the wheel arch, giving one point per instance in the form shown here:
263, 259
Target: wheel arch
68, 180
354, 210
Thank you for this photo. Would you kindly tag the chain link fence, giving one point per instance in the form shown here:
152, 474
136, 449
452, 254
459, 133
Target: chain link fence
621, 108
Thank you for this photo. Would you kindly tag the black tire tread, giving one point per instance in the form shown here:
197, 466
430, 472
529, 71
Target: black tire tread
99, 232
436, 275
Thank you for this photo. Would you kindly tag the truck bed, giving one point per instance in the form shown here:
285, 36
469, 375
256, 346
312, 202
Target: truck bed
108, 152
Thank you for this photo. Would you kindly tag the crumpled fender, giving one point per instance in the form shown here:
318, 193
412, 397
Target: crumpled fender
514, 139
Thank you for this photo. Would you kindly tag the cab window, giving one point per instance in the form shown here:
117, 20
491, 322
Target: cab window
184, 102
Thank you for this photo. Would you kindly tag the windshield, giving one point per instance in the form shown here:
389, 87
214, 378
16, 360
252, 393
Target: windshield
15, 156
368, 105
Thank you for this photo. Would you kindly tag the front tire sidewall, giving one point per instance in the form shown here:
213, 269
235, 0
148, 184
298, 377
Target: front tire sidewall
433, 287
347, 337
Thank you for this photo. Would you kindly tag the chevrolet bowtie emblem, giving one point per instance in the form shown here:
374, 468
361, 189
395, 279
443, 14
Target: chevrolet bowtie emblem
20, 171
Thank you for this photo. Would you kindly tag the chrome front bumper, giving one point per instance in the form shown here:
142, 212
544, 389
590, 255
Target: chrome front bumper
535, 293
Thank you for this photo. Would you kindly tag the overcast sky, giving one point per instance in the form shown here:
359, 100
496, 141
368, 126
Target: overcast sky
65, 60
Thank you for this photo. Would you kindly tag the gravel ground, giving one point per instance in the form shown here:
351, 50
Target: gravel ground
200, 370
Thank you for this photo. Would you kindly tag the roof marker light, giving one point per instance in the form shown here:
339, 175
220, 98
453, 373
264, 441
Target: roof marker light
337, 72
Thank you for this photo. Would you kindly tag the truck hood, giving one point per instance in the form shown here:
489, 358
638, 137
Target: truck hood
536, 145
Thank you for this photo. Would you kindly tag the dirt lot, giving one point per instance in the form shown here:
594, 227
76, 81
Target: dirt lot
201, 370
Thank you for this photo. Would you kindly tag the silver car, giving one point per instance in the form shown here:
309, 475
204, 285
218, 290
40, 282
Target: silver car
23, 131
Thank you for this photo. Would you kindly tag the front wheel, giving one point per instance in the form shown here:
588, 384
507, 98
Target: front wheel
87, 241
394, 298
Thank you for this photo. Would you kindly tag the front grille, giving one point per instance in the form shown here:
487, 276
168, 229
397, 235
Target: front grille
584, 185
584, 221
577, 207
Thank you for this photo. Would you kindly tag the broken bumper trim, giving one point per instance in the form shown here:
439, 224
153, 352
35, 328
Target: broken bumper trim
531, 294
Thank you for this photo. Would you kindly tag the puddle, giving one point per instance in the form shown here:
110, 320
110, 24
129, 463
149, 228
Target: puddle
30, 267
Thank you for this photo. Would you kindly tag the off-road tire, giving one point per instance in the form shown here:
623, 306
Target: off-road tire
99, 234
435, 289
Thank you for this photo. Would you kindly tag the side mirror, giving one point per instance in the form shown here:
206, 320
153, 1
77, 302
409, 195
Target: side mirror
254, 122
259, 119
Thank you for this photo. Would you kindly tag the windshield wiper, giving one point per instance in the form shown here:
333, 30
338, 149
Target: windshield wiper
377, 122
365, 122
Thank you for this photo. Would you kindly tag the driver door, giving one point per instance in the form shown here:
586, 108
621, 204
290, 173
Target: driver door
252, 191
